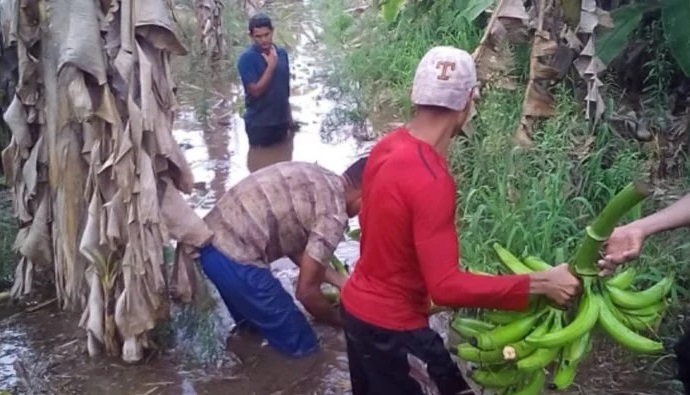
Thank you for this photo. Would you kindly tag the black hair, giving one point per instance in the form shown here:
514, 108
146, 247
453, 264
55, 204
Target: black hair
259, 20
355, 172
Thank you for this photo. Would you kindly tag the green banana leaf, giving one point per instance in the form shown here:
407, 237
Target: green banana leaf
626, 19
391, 8
474, 8
571, 12
675, 16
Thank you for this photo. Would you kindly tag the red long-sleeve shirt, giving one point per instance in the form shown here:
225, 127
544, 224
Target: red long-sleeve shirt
409, 252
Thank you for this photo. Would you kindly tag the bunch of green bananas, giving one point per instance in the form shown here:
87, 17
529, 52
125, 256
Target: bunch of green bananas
513, 349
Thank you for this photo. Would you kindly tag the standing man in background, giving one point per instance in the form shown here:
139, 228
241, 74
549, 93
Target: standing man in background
265, 72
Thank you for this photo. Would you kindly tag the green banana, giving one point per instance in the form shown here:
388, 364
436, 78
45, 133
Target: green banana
355, 234
502, 317
624, 335
623, 279
535, 385
339, 266
510, 261
563, 377
470, 327
542, 356
502, 335
496, 379
574, 352
536, 264
332, 297
521, 348
635, 323
469, 353
655, 309
584, 321
572, 355
640, 299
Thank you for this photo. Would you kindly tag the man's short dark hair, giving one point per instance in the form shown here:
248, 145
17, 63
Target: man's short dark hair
259, 20
355, 172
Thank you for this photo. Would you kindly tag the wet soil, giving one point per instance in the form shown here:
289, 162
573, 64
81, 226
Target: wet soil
46, 348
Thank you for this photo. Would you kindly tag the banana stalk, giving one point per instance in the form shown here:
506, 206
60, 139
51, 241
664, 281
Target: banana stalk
586, 256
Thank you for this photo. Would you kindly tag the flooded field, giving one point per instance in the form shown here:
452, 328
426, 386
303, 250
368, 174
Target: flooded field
47, 348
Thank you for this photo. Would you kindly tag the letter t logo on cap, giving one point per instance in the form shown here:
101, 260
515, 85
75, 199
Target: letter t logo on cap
444, 66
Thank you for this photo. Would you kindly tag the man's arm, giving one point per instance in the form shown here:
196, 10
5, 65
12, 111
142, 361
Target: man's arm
330, 275
436, 243
625, 242
669, 218
308, 292
256, 85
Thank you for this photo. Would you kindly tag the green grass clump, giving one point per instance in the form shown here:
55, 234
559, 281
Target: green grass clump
375, 62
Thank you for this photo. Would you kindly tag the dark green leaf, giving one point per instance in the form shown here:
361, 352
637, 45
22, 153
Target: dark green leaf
626, 19
474, 8
676, 19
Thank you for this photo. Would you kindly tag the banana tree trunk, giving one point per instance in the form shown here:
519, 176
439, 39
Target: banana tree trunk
210, 32
92, 161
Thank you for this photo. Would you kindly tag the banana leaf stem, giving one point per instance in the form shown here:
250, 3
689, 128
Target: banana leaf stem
586, 256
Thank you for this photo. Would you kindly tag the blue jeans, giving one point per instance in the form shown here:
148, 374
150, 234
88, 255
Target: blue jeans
255, 297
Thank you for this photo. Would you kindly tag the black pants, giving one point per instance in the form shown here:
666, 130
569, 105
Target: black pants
267, 136
399, 362
682, 351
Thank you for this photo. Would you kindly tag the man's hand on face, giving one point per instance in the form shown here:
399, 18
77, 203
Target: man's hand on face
271, 57
624, 245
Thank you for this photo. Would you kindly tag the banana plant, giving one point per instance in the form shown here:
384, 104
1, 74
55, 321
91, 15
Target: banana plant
674, 17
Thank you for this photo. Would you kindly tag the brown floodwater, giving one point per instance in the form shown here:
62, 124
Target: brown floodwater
49, 347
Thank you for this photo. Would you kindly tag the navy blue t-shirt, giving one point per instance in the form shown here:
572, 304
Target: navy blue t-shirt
273, 107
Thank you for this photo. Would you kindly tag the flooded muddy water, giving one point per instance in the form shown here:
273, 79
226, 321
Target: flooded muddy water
48, 345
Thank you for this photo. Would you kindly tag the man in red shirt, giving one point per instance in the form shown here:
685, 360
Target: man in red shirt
409, 246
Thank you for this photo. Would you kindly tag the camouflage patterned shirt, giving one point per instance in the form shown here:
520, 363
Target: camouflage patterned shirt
278, 211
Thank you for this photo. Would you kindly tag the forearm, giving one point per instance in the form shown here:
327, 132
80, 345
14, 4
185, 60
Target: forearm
334, 278
461, 289
318, 306
331, 276
261, 86
674, 216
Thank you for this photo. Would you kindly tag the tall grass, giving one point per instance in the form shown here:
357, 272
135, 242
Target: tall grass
534, 201
375, 62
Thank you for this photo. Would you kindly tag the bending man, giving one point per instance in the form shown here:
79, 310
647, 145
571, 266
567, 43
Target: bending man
291, 209
409, 246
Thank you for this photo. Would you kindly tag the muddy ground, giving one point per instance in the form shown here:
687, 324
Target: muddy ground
45, 346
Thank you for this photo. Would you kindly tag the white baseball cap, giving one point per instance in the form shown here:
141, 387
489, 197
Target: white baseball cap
445, 77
